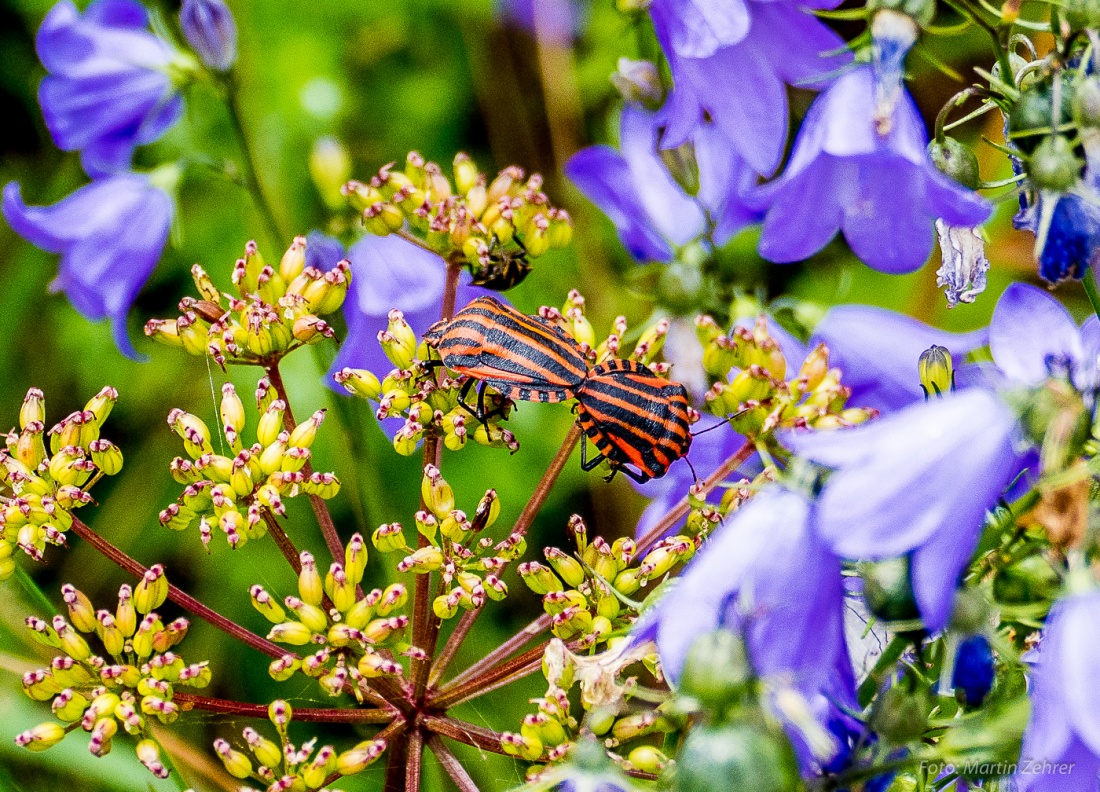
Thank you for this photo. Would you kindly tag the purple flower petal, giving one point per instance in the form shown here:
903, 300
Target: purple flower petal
806, 211
209, 28
110, 235
1029, 328
877, 351
699, 28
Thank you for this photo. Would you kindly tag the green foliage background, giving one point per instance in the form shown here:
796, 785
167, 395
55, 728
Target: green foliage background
384, 77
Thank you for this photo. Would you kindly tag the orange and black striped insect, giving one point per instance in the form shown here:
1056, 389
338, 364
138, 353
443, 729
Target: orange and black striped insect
634, 418
525, 358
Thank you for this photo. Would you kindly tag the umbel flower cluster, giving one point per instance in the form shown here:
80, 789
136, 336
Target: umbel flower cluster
869, 555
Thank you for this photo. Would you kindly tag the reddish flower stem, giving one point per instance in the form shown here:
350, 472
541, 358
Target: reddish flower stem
425, 625
516, 668
517, 641
523, 523
320, 508
449, 762
395, 763
414, 758
177, 595
308, 714
286, 546
463, 732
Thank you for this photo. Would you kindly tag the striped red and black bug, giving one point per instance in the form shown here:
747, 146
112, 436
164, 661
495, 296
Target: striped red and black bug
634, 418
525, 358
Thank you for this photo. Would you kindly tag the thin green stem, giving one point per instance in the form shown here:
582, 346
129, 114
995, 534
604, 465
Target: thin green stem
251, 170
34, 592
1091, 290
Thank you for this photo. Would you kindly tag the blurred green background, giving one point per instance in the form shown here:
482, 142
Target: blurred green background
383, 77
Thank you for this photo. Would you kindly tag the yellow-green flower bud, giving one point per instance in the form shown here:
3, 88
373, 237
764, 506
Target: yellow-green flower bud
436, 492
72, 644
294, 260
360, 757
305, 432
540, 579
815, 367
363, 610
266, 605
310, 615
284, 667
69, 706
101, 404
33, 409
560, 233
388, 538
937, 372
41, 737
232, 409
752, 384
466, 173
380, 630
81, 612
425, 559
292, 632
106, 456
527, 748
125, 613
271, 423
394, 597
310, 587
568, 568
152, 589
237, 763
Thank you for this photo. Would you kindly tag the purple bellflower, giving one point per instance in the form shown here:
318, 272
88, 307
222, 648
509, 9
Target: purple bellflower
767, 575
878, 351
870, 179
1032, 336
919, 482
110, 235
108, 89
387, 273
210, 29
1064, 730
651, 212
1064, 248
730, 60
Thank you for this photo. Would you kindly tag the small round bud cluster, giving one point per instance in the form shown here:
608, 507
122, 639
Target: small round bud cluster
468, 562
571, 318
41, 488
275, 311
493, 228
350, 628
429, 407
752, 387
577, 591
284, 766
238, 494
131, 680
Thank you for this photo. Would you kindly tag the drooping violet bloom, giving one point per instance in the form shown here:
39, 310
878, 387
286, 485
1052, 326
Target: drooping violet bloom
210, 29
1065, 246
651, 212
1033, 336
108, 89
110, 235
1064, 729
729, 62
387, 273
767, 575
877, 351
873, 181
973, 674
555, 21
916, 482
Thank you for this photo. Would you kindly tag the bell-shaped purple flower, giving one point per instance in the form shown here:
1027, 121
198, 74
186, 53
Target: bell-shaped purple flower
1061, 750
110, 235
767, 575
108, 89
919, 482
729, 62
210, 29
651, 212
387, 273
1066, 246
1032, 336
871, 180
877, 352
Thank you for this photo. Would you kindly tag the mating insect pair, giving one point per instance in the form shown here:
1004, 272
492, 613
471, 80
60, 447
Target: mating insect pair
632, 416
